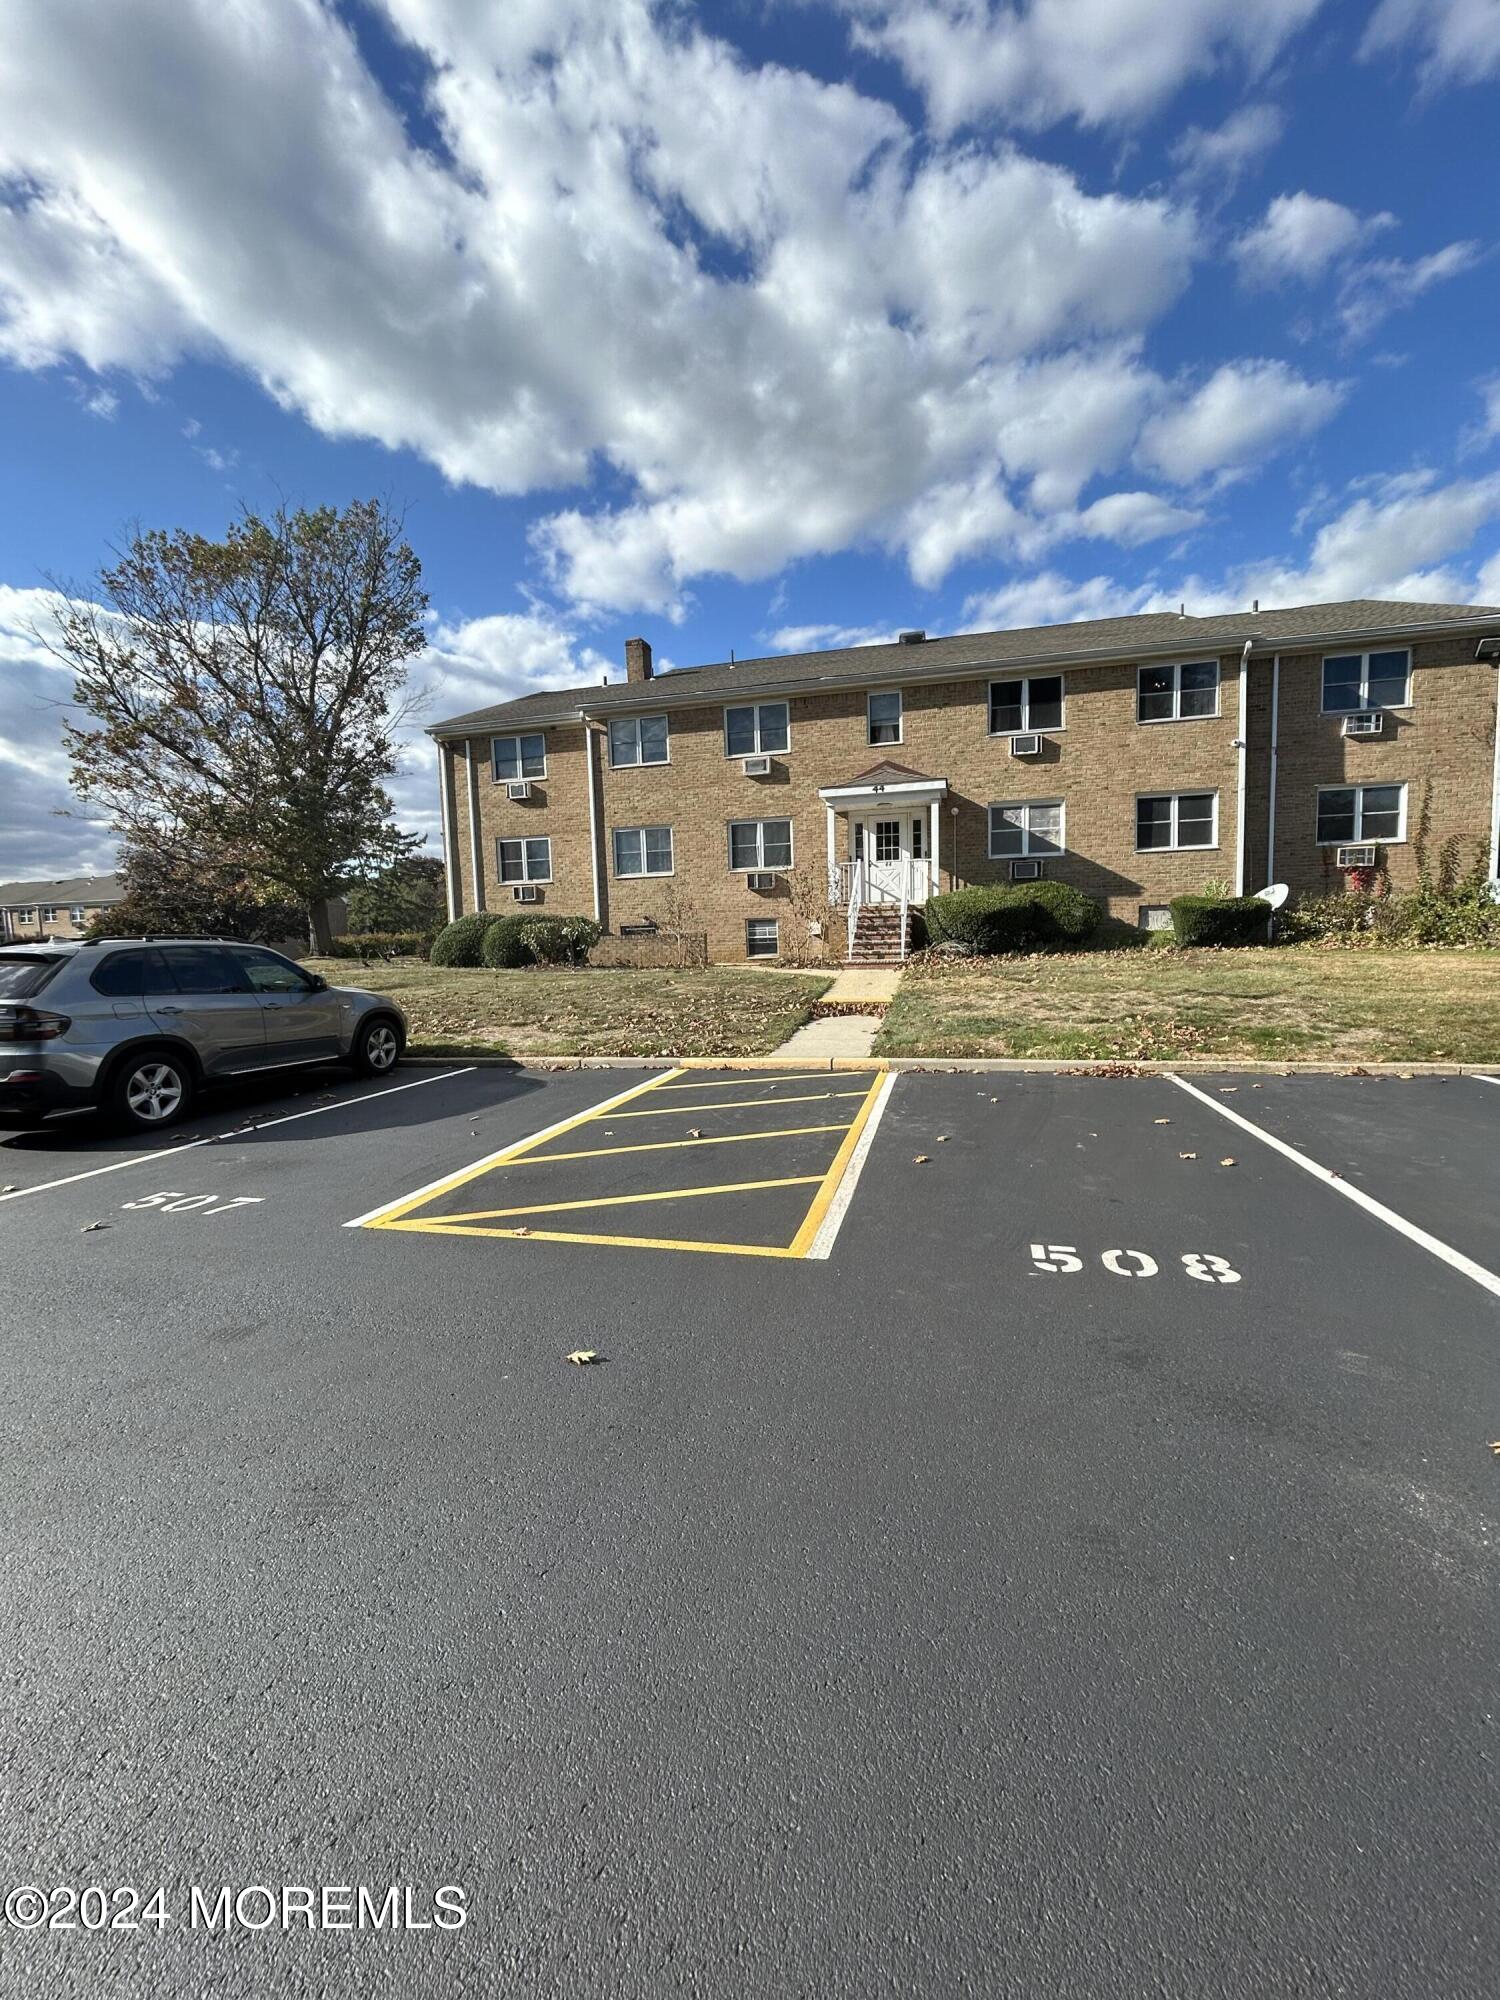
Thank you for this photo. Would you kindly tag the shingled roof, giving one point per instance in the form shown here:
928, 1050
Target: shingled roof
1151, 633
91, 891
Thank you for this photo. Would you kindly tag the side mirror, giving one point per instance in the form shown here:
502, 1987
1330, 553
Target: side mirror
317, 982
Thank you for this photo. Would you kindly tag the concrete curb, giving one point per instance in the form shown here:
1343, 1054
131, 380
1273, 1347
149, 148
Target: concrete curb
964, 1065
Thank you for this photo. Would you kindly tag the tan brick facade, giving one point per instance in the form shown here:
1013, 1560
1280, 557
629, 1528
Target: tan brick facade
1101, 759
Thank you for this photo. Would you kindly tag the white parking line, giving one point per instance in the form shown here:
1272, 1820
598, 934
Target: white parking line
1378, 1209
1479, 1078
828, 1229
159, 1153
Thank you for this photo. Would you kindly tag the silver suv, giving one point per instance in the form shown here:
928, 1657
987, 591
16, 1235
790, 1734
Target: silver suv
137, 1026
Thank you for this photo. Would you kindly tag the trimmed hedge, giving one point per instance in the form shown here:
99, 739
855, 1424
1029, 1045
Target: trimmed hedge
462, 941
513, 941
1219, 920
1038, 917
382, 944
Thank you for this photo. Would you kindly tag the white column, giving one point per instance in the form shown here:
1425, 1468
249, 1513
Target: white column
1495, 791
595, 858
452, 866
474, 847
1242, 756
833, 859
934, 878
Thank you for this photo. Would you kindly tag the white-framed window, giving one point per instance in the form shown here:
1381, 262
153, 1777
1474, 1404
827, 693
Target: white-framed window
756, 728
762, 937
883, 715
49, 914
1184, 692
638, 739
1017, 708
643, 850
516, 757
76, 914
1032, 826
760, 843
1176, 819
25, 916
524, 860
1354, 813
1153, 917
1353, 681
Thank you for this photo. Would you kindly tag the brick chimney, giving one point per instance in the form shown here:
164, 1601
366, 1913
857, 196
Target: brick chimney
637, 660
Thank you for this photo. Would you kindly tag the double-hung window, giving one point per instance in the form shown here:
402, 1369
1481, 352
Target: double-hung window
638, 739
760, 843
758, 727
1353, 681
1183, 693
1018, 708
49, 914
762, 938
643, 850
524, 860
517, 757
76, 914
1361, 812
1032, 827
883, 712
1177, 819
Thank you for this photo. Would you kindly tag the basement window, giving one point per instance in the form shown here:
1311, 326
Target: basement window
762, 937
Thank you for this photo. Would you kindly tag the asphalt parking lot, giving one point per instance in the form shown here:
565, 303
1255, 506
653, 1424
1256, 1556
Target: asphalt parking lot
1026, 1534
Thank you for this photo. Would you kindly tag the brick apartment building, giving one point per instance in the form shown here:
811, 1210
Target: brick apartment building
773, 806
62, 907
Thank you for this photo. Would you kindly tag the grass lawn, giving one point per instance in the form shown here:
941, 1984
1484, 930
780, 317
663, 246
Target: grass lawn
722, 1011
1290, 1002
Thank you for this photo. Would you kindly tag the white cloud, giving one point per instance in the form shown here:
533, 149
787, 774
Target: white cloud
1212, 161
1381, 286
1300, 236
1132, 519
1458, 41
1243, 412
821, 638
35, 691
747, 295
1051, 599
1103, 62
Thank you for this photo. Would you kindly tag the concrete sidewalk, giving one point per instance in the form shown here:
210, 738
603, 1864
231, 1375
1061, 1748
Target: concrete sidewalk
845, 1034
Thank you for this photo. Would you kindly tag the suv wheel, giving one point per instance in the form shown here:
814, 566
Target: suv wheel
151, 1091
377, 1048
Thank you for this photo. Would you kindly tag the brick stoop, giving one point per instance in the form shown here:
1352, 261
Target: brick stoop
877, 935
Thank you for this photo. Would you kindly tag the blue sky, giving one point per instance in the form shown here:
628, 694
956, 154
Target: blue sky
753, 326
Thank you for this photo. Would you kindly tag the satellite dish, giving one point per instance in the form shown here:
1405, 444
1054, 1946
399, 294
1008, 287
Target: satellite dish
1275, 895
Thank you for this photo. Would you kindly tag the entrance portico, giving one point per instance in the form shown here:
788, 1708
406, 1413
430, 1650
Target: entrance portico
889, 848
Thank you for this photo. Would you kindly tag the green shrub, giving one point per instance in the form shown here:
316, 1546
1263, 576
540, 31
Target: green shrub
382, 944
462, 941
504, 946
539, 940
1219, 920
1316, 919
1464, 914
1037, 917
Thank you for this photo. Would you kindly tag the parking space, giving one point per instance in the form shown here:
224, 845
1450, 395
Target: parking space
736, 1162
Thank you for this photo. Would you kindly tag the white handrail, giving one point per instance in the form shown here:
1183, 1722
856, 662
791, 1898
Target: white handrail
905, 899
856, 897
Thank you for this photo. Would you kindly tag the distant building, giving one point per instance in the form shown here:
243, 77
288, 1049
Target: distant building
60, 908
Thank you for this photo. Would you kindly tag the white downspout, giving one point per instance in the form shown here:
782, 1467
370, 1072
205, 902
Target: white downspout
1495, 790
1275, 759
589, 733
474, 849
833, 862
452, 868
1242, 758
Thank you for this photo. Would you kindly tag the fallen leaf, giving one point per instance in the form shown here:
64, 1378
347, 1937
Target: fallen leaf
994, 1100
521, 1229
921, 1159
582, 1356
9, 1188
1187, 1156
1161, 1121
695, 1132
1228, 1089
92, 1225
1226, 1163
942, 1138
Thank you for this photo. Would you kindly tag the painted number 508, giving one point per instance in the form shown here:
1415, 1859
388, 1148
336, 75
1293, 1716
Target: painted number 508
1063, 1258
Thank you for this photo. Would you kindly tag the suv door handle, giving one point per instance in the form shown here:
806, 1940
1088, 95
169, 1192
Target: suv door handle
167, 1010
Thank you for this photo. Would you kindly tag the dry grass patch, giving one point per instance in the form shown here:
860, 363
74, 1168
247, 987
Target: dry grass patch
1290, 1002
717, 1011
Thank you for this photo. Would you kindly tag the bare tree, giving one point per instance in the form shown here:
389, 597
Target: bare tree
247, 693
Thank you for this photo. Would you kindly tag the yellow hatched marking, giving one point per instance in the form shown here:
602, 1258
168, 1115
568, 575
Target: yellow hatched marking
616, 1242
388, 1218
737, 1104
626, 1200
671, 1145
802, 1241
747, 1077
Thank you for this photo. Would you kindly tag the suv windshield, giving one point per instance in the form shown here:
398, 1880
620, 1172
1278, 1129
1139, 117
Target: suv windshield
21, 977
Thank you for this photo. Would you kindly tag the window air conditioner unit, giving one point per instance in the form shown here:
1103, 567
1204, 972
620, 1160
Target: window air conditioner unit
756, 767
1026, 871
1026, 746
518, 789
1356, 857
525, 892
1371, 723
762, 880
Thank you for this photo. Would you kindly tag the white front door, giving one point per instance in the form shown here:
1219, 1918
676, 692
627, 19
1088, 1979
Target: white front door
892, 846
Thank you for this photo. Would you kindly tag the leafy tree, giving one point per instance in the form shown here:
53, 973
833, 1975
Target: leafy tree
410, 896
245, 695
177, 890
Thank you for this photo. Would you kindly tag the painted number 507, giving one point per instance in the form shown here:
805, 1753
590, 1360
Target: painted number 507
1063, 1259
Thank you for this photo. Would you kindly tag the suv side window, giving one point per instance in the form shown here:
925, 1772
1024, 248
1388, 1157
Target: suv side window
203, 968
126, 975
269, 974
